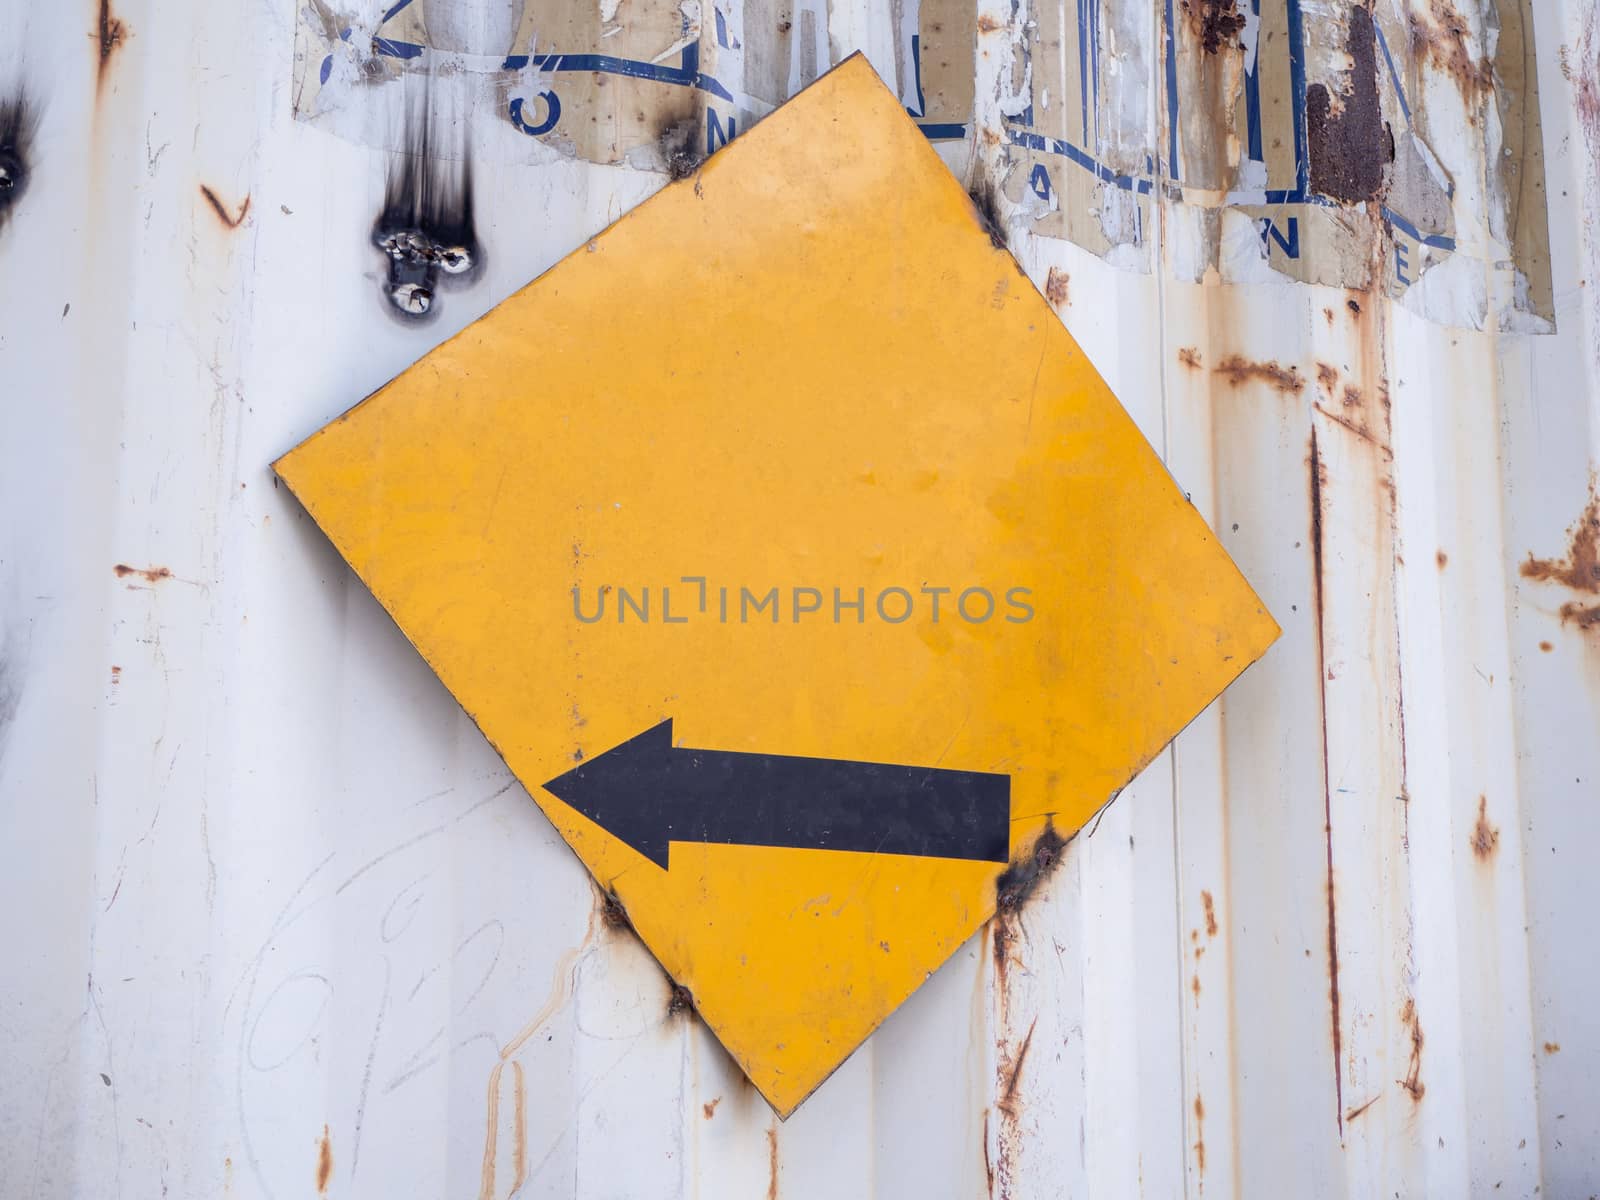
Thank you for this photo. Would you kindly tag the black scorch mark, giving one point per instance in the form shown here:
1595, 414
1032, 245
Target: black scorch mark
426, 231
17, 119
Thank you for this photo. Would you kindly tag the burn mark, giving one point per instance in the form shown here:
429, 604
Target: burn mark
1211, 913
148, 574
1022, 878
613, 915
17, 124
1439, 38
1013, 1074
1334, 1019
109, 35
1349, 143
1485, 837
231, 220
680, 1001
1189, 356
1238, 370
679, 143
1215, 22
1056, 286
426, 230
1413, 1080
986, 199
324, 1162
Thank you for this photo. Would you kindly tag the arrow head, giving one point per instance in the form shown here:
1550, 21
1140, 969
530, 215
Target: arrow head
624, 791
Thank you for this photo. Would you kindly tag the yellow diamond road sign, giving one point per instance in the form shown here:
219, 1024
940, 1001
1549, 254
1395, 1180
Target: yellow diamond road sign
798, 562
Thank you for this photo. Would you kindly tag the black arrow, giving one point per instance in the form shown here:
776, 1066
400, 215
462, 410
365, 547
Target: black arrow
650, 794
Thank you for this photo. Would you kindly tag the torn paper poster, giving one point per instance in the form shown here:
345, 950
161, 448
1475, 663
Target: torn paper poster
1368, 143
655, 84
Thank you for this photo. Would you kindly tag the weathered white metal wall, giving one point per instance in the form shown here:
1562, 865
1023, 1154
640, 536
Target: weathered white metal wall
279, 923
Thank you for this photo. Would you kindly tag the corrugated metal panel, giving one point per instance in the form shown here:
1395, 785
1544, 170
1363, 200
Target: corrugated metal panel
279, 921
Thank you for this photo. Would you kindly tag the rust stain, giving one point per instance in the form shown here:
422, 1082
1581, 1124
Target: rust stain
1349, 143
1442, 559
1237, 370
1217, 23
1315, 464
1194, 983
1552, 1047
710, 1107
1580, 569
1547, 646
1485, 837
1189, 356
1413, 1080
231, 220
116, 674
1022, 878
519, 1129
109, 35
988, 24
1361, 1108
988, 1163
148, 574
1013, 1073
1583, 616
1211, 914
1200, 1134
1055, 287
324, 1162
1356, 427
1328, 375
772, 1162
1352, 396
1439, 38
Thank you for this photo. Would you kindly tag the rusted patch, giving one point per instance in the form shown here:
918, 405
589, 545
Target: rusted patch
1012, 1073
1216, 23
1485, 837
1580, 569
1189, 356
772, 1162
989, 24
116, 674
231, 220
1581, 616
1328, 376
710, 1107
1439, 38
1200, 1133
109, 35
1056, 285
1238, 370
1349, 142
148, 574
1211, 913
1547, 646
1552, 1047
680, 1001
1194, 986
1413, 1080
1441, 558
1315, 466
324, 1161
1352, 396
1361, 1108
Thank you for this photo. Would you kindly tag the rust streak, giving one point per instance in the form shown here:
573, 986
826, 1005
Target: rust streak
1237, 370
1008, 1101
1361, 1108
1327, 790
1440, 39
324, 1162
1485, 837
110, 33
772, 1162
1211, 913
988, 1163
231, 220
519, 1128
1200, 1134
1361, 432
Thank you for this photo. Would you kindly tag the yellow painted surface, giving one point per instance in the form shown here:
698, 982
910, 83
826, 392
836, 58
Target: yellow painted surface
806, 366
